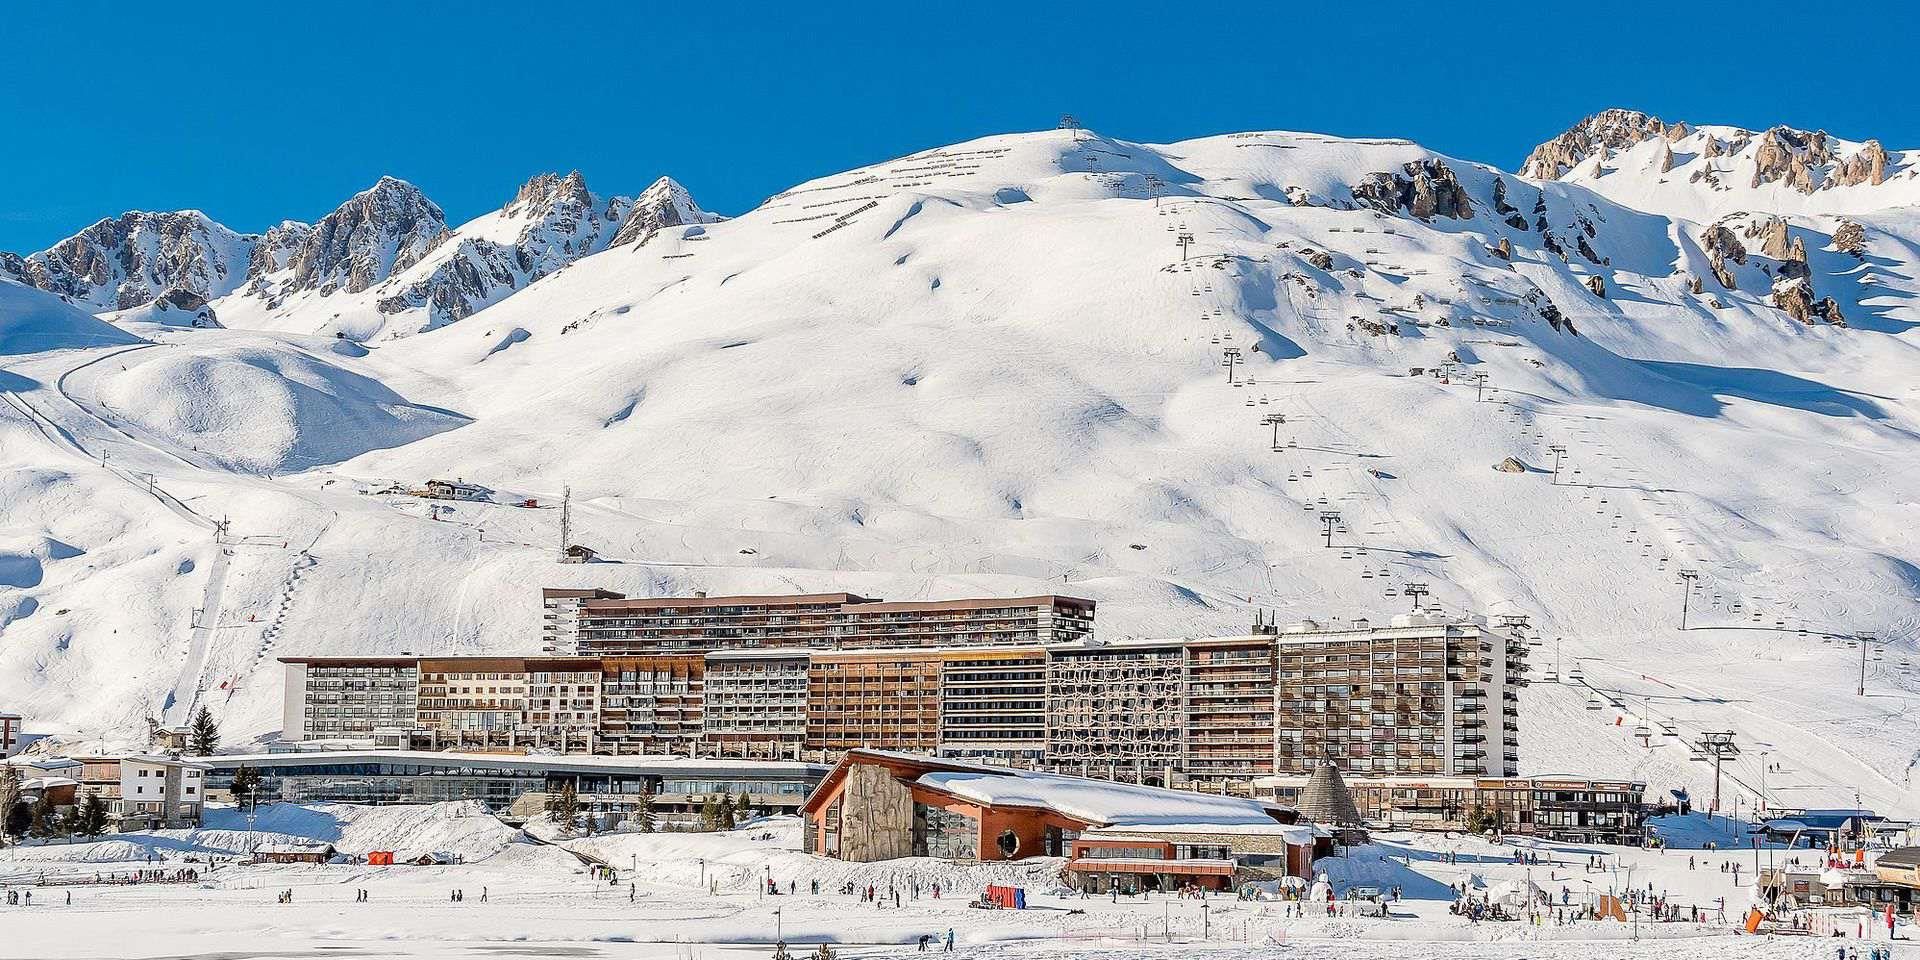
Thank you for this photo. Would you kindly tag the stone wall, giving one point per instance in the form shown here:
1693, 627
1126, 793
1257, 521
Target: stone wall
876, 815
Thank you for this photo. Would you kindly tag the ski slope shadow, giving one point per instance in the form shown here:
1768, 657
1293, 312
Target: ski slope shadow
1698, 389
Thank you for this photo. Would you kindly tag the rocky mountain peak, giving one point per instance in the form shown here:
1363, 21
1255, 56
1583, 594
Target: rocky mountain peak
1610, 129
664, 204
126, 261
378, 232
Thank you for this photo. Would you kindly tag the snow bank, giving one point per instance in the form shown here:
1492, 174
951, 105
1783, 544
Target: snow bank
463, 829
33, 321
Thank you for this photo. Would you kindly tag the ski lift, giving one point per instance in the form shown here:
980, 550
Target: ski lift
1576, 673
1593, 703
1391, 592
1291, 478
1250, 402
1366, 574
1551, 675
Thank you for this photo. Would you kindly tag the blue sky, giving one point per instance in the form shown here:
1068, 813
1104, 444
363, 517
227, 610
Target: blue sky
255, 112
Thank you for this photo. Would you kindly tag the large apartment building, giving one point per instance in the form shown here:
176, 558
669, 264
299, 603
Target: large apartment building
601, 622
1424, 695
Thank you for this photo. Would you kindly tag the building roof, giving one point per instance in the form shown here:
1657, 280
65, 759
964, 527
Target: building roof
1326, 799
153, 758
536, 763
1901, 858
1097, 803
4, 715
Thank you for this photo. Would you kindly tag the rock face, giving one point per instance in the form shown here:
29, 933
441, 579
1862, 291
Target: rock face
127, 261
1425, 189
664, 204
551, 222
1597, 284
191, 303
1511, 465
380, 231
1867, 165
1790, 155
1775, 241
1609, 129
1850, 238
1794, 295
1319, 258
1721, 246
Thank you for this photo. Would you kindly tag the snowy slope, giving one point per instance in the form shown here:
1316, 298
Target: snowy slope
987, 369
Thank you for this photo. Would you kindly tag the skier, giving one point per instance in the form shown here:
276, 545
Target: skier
949, 940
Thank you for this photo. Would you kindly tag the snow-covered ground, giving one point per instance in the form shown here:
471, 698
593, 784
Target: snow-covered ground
988, 369
700, 895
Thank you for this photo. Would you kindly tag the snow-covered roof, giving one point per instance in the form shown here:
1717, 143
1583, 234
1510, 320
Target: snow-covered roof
1102, 802
47, 783
165, 761
1297, 834
287, 848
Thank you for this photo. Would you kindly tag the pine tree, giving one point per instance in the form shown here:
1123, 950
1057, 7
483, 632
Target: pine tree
563, 807
742, 808
204, 735
643, 810
246, 783
725, 811
93, 816
45, 822
709, 813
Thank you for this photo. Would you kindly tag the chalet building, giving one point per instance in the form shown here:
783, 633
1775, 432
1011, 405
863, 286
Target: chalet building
455, 490
883, 805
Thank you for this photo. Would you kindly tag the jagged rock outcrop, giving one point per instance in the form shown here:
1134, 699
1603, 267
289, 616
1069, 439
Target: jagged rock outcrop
379, 232
1850, 238
664, 204
1795, 296
552, 221
1598, 285
1510, 465
1663, 161
13, 267
1786, 154
1319, 258
188, 302
1503, 250
126, 261
1425, 189
1721, 245
1678, 132
1610, 129
1867, 165
1775, 241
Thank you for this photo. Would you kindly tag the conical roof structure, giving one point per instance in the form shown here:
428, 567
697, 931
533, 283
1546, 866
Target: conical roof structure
1326, 800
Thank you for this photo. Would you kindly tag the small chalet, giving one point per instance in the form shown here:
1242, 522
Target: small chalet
881, 805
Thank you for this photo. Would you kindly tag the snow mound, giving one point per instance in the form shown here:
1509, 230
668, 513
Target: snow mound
32, 321
462, 829
262, 408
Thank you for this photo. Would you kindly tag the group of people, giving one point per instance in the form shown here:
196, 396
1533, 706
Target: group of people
460, 896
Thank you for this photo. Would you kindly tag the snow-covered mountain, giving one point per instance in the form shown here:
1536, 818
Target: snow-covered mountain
996, 368
135, 258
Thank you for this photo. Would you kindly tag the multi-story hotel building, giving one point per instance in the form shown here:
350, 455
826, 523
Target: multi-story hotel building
1566, 809
600, 622
1425, 695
